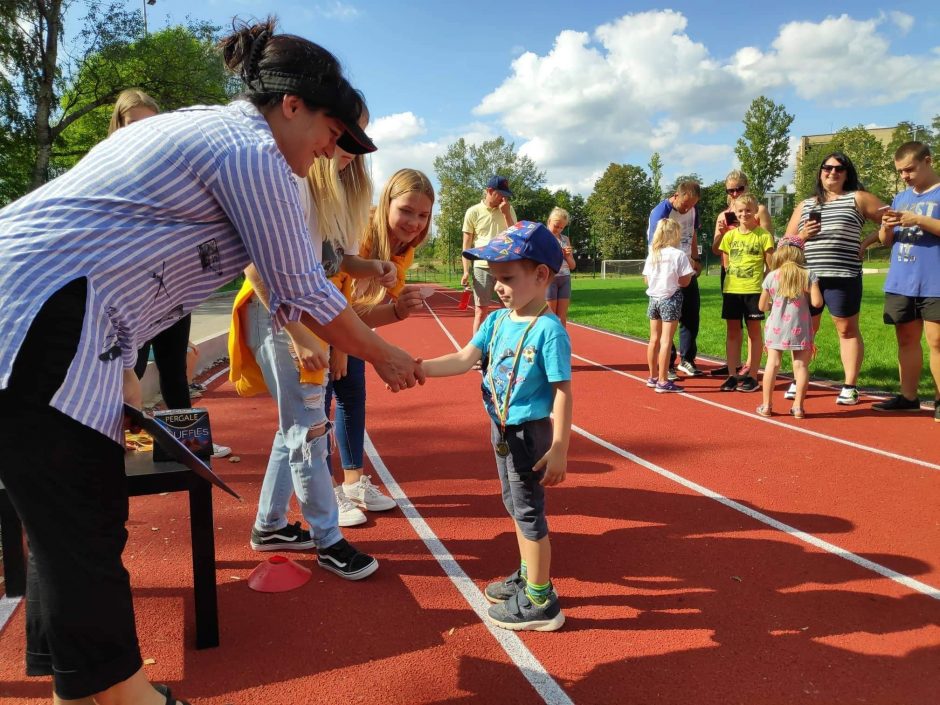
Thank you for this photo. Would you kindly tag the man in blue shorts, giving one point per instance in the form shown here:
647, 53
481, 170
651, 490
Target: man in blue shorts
912, 289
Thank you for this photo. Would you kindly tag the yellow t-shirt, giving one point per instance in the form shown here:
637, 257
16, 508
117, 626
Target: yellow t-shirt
484, 224
745, 259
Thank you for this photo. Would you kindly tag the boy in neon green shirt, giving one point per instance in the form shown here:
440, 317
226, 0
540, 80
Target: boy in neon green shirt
745, 253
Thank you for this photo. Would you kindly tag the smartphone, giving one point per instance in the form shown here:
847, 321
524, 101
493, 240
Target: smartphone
815, 216
731, 219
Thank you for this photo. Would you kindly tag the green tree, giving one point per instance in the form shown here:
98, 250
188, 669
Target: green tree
463, 171
44, 91
656, 175
870, 157
176, 66
619, 209
678, 180
764, 147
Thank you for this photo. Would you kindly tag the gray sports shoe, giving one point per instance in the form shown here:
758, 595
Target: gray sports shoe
504, 589
519, 614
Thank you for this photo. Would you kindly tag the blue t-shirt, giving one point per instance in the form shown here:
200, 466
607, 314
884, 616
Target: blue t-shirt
546, 358
915, 255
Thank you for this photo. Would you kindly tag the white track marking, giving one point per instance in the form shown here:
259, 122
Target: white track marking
7, 608
810, 539
789, 427
534, 672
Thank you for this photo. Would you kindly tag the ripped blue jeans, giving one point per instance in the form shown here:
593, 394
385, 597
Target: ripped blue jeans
296, 465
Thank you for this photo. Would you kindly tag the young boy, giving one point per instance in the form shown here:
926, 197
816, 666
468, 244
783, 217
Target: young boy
912, 290
526, 356
745, 252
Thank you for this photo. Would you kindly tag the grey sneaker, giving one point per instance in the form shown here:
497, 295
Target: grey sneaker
504, 589
672, 375
689, 368
519, 614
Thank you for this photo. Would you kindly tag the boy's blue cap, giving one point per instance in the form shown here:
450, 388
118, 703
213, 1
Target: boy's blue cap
524, 240
499, 184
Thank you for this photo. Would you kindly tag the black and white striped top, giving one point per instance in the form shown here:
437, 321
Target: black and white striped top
156, 217
833, 251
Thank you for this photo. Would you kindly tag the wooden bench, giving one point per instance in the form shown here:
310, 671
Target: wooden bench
143, 477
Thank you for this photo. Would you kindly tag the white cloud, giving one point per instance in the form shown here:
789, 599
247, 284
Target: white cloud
396, 128
338, 10
643, 83
902, 21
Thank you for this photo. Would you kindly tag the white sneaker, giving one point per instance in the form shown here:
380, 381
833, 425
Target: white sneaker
847, 397
349, 513
368, 496
220, 451
791, 391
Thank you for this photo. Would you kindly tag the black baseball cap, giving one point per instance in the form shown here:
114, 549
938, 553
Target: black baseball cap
500, 184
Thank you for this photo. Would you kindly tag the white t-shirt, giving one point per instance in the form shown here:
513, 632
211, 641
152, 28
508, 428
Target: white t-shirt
663, 277
686, 221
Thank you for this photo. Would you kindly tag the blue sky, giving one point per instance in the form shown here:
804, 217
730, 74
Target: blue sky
576, 89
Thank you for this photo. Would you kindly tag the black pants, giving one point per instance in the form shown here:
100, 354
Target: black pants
169, 355
67, 484
688, 324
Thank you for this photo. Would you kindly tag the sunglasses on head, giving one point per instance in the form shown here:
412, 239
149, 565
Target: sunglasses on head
736, 189
837, 168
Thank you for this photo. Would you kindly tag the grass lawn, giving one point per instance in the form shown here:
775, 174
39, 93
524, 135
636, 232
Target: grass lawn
619, 305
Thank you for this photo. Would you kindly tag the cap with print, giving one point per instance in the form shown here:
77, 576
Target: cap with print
524, 240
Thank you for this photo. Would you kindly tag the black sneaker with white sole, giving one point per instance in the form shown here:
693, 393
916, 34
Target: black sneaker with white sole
344, 560
897, 403
747, 384
290, 538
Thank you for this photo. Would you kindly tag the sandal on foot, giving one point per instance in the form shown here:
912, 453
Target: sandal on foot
764, 411
165, 692
797, 413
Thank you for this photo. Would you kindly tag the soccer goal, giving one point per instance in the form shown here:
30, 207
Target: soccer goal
613, 268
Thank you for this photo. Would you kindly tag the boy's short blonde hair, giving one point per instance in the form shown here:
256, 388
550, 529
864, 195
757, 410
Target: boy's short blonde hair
745, 200
559, 213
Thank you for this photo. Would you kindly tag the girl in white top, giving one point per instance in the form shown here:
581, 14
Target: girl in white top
666, 271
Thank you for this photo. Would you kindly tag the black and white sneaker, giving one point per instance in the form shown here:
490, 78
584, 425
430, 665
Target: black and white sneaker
344, 560
897, 403
747, 384
689, 369
290, 538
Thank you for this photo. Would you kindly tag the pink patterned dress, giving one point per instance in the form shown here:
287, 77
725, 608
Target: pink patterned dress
789, 325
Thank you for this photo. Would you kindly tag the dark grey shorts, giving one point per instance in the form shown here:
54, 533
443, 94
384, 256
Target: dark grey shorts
523, 496
560, 288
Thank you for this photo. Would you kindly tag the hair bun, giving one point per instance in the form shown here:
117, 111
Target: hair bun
243, 48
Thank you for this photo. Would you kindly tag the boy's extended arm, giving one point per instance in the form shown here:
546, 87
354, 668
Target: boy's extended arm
453, 364
555, 461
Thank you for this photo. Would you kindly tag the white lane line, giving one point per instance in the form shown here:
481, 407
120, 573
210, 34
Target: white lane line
750, 415
780, 424
525, 661
534, 672
904, 580
884, 571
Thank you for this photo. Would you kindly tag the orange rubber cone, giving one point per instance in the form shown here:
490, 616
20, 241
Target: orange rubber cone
278, 574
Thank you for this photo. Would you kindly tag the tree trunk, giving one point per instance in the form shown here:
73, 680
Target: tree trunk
50, 20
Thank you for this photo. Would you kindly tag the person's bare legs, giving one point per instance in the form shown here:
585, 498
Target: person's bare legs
910, 356
479, 314
561, 310
754, 347
851, 347
770, 376
665, 349
801, 360
932, 330
537, 556
733, 346
652, 348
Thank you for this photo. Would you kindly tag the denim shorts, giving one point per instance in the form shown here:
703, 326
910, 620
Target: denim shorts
560, 288
523, 496
667, 308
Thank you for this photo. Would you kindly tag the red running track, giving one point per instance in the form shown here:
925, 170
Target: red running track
671, 595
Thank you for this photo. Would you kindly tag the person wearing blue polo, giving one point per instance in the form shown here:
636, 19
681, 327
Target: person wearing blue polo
912, 289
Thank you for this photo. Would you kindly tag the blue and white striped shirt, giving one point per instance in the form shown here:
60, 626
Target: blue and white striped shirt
156, 217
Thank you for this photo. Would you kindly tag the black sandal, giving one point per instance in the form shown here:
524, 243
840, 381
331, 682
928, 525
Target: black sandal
165, 691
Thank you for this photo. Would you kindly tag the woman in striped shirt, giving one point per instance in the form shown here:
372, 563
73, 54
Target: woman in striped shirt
830, 223
138, 233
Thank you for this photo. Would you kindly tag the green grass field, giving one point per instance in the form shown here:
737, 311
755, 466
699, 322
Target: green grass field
619, 305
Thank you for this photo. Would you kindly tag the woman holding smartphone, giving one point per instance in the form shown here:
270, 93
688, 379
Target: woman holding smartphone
830, 223
736, 184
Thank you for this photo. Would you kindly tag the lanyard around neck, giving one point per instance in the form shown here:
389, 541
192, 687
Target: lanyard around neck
503, 413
